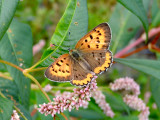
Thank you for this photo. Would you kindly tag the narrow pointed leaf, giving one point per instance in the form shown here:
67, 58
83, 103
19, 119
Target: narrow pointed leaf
150, 67
7, 10
125, 29
137, 8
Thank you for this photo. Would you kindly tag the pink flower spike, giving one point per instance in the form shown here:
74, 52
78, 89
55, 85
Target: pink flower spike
79, 98
137, 104
127, 84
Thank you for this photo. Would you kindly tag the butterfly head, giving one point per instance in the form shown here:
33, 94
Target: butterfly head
74, 54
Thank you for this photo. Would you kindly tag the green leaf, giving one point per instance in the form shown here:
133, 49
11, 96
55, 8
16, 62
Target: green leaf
96, 108
126, 27
86, 114
6, 108
137, 8
116, 102
7, 10
126, 118
9, 89
150, 67
72, 26
155, 14
155, 90
16, 47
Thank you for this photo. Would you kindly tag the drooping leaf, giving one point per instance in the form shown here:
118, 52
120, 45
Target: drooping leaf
150, 67
6, 108
116, 103
16, 47
9, 89
137, 8
7, 10
72, 26
124, 26
94, 107
126, 118
86, 114
155, 90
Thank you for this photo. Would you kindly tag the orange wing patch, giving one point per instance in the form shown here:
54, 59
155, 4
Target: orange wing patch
106, 64
61, 69
97, 39
84, 81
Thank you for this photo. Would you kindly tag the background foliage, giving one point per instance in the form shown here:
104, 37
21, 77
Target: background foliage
63, 23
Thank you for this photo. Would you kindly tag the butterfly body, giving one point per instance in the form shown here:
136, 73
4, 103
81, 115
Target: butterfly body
91, 55
77, 57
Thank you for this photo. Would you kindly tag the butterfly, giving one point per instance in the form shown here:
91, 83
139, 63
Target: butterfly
91, 55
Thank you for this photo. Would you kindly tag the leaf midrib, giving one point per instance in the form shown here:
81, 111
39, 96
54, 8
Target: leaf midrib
62, 38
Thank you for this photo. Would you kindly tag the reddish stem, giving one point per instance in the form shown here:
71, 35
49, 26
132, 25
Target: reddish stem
133, 52
155, 48
152, 32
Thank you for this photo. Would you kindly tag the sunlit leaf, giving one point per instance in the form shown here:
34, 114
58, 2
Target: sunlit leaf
72, 26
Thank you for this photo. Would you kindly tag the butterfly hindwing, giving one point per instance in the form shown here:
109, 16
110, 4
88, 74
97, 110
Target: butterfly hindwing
97, 39
99, 61
61, 69
81, 77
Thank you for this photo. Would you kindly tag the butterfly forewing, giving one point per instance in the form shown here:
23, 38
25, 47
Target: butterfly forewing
61, 69
97, 39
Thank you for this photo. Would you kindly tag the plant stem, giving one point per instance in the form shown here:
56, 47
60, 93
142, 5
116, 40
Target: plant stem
37, 83
18, 110
133, 52
34, 70
152, 32
5, 76
64, 116
11, 64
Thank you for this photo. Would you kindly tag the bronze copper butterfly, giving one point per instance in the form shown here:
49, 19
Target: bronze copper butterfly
91, 55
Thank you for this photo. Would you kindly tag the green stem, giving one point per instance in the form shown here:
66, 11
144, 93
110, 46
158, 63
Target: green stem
5, 76
11, 64
34, 70
37, 83
18, 110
